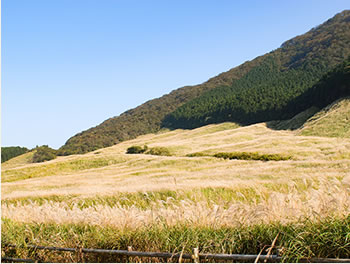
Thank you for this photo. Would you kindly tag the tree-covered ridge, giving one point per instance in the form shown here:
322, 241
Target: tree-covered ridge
148, 117
11, 152
256, 90
270, 90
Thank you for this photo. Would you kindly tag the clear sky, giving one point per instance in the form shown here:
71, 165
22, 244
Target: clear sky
68, 65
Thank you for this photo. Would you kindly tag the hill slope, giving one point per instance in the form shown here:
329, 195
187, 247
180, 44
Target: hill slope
280, 86
331, 87
76, 200
110, 170
283, 75
331, 121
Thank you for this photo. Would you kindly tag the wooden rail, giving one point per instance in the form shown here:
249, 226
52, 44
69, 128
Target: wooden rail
195, 257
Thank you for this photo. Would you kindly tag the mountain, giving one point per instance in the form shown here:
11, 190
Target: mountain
330, 94
148, 117
258, 90
276, 89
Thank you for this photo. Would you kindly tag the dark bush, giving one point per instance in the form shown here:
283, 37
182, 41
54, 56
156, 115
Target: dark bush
251, 156
197, 154
136, 150
159, 151
44, 153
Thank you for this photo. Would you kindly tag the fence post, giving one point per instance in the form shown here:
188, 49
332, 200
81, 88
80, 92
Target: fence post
129, 258
195, 255
80, 254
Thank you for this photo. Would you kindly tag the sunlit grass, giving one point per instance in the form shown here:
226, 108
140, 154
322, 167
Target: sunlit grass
58, 168
322, 238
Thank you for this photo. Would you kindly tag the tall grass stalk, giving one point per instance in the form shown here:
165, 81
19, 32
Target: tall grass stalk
329, 199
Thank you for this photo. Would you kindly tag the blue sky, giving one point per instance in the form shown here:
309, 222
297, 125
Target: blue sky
68, 65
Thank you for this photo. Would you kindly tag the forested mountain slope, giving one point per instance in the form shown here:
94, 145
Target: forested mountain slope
278, 88
146, 118
258, 90
325, 107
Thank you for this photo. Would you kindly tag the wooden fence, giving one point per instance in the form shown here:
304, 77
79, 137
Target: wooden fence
194, 257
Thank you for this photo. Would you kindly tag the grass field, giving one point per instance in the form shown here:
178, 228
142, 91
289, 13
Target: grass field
144, 194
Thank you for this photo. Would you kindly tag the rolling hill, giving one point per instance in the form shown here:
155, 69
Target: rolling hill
331, 121
257, 91
78, 197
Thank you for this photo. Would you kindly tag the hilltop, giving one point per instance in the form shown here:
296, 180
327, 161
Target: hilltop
259, 90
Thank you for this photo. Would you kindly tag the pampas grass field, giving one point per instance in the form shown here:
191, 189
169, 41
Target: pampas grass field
111, 199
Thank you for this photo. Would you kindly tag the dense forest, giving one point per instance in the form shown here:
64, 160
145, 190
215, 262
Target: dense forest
266, 92
332, 86
11, 152
258, 90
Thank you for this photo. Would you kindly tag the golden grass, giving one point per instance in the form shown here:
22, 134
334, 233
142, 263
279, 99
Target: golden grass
318, 171
332, 121
326, 198
111, 170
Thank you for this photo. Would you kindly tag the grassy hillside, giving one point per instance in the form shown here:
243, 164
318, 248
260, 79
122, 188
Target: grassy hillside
332, 121
111, 199
282, 75
110, 171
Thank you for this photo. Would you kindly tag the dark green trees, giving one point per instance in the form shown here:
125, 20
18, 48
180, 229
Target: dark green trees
44, 153
11, 152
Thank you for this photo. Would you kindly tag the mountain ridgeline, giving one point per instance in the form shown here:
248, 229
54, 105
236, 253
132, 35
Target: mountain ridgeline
276, 85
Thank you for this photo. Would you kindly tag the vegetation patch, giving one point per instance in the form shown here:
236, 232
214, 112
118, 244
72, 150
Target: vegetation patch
136, 150
327, 238
197, 154
44, 153
243, 156
159, 151
251, 156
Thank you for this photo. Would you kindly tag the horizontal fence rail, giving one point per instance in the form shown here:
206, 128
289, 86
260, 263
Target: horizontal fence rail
198, 256
7, 259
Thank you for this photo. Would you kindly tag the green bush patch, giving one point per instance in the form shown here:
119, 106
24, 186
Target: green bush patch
159, 151
136, 150
251, 156
44, 153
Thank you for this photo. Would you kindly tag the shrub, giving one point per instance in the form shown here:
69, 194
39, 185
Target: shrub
251, 156
197, 154
44, 153
159, 151
136, 149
